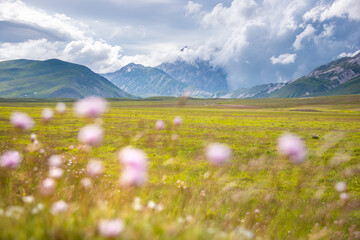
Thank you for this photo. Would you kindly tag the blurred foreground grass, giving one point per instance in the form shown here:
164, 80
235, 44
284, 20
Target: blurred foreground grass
259, 195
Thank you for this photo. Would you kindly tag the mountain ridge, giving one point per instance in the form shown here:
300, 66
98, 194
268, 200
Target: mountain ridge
148, 81
322, 81
53, 78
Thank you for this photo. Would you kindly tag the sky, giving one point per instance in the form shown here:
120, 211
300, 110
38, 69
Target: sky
254, 41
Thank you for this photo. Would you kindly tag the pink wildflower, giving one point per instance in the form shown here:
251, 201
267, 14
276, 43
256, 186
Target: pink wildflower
47, 187
177, 121
56, 172
91, 135
59, 207
111, 228
132, 157
160, 125
135, 166
21, 120
340, 186
10, 159
218, 153
47, 114
94, 168
293, 147
91, 107
61, 108
55, 161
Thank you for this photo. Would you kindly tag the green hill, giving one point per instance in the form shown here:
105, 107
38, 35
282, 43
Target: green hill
53, 78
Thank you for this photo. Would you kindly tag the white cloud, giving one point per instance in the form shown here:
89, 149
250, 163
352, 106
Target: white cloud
192, 8
288, 21
338, 8
328, 30
138, 2
314, 13
283, 59
76, 44
342, 8
353, 54
307, 33
98, 55
59, 24
32, 49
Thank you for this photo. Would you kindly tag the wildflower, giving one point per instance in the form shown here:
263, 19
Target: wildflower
110, 228
160, 125
133, 177
33, 137
21, 120
292, 146
174, 137
132, 157
61, 108
10, 159
47, 114
344, 196
135, 166
58, 207
14, 212
94, 168
54, 161
91, 135
340, 186
177, 121
28, 199
39, 207
218, 153
91, 107
56, 172
86, 182
189, 218
136, 205
47, 187
159, 207
151, 204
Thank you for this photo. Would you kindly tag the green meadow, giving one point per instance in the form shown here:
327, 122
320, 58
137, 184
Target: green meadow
257, 195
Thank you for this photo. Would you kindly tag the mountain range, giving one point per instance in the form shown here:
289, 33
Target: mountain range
53, 78
147, 82
339, 77
56, 78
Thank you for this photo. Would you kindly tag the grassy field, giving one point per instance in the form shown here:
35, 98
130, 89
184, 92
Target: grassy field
258, 195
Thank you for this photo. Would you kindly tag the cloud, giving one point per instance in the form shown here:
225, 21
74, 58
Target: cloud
98, 55
40, 49
45, 36
328, 31
342, 8
289, 22
283, 59
339, 8
307, 33
192, 8
139, 2
58, 24
353, 54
